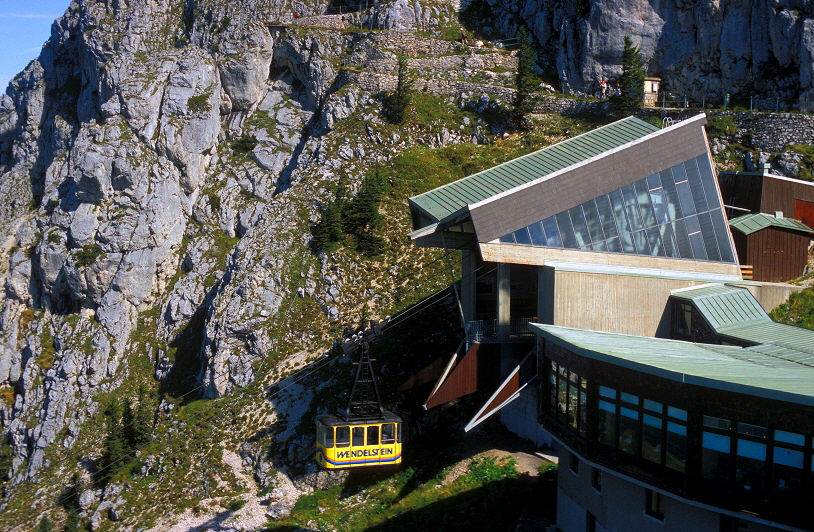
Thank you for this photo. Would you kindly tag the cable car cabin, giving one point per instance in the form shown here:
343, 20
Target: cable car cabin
342, 444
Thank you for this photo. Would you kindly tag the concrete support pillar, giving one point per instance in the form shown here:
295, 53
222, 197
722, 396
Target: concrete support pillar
545, 295
468, 281
504, 301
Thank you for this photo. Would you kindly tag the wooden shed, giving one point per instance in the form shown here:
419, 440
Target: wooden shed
776, 247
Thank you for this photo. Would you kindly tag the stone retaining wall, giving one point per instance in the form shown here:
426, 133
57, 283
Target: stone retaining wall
770, 132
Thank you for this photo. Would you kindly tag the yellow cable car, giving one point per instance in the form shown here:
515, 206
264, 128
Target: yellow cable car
363, 434
342, 444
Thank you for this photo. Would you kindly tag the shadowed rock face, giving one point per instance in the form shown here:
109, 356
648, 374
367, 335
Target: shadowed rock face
702, 49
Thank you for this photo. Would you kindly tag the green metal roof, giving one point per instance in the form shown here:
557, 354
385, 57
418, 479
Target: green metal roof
447, 201
752, 223
725, 306
727, 368
732, 311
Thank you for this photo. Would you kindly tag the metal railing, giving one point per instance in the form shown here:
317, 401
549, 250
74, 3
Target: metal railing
480, 330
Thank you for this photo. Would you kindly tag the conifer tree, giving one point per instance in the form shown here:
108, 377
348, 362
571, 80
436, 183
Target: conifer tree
403, 97
631, 84
524, 99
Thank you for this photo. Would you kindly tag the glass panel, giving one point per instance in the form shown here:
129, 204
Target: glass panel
566, 230
719, 224
788, 470
658, 199
789, 437
667, 240
710, 185
605, 210
715, 459
583, 411
709, 236
552, 233
679, 173
573, 399
646, 209
592, 219
717, 423
752, 430
537, 234
552, 381
630, 398
342, 436
751, 465
699, 250
651, 438
358, 436
677, 413
685, 198
614, 245
653, 406
640, 238
676, 456
654, 239
507, 239
683, 243
388, 433
631, 208
606, 429
329, 437
562, 400
604, 391
373, 435
580, 227
697, 188
629, 431
669, 187
627, 243
619, 215
654, 182
521, 236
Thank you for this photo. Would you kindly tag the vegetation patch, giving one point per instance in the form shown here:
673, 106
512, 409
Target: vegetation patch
798, 310
807, 164
721, 126
244, 144
199, 103
87, 255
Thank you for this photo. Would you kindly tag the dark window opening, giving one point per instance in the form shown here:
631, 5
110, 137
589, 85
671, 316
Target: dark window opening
342, 436
573, 463
596, 479
358, 436
373, 435
654, 505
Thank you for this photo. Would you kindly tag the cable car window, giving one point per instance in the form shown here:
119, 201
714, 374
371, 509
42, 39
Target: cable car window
388, 433
373, 435
358, 436
320, 433
342, 436
329, 437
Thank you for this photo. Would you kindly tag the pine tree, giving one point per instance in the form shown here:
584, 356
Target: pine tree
403, 97
524, 99
631, 84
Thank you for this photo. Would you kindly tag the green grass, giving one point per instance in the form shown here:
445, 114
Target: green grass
807, 164
798, 310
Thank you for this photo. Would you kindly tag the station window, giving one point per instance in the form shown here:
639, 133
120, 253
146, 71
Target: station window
682, 319
568, 397
654, 504
596, 479
573, 463
787, 460
590, 522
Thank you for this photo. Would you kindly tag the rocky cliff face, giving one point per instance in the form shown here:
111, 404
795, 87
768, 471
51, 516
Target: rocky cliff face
702, 49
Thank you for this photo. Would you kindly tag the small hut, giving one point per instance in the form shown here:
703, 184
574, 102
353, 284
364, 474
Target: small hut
651, 90
775, 247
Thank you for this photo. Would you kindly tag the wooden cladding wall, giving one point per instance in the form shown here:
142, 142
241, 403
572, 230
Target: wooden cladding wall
777, 255
779, 195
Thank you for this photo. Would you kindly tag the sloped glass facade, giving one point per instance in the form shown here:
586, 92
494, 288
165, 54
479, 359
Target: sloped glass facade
675, 213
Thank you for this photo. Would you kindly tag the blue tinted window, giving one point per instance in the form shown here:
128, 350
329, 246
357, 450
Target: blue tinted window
552, 234
619, 215
592, 219
566, 230
653, 182
709, 236
697, 188
614, 245
642, 246
654, 240
645, 208
507, 239
580, 227
521, 236
603, 205
658, 198
537, 235
682, 241
669, 187
724, 245
685, 198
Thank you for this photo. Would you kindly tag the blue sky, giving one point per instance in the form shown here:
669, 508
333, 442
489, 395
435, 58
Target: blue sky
25, 25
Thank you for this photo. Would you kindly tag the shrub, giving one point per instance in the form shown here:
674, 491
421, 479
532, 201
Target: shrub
86, 255
236, 504
199, 103
244, 144
721, 126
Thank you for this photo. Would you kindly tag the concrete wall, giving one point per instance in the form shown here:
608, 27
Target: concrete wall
770, 295
614, 303
520, 417
620, 506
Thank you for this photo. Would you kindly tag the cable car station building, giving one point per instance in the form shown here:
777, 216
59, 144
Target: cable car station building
580, 263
